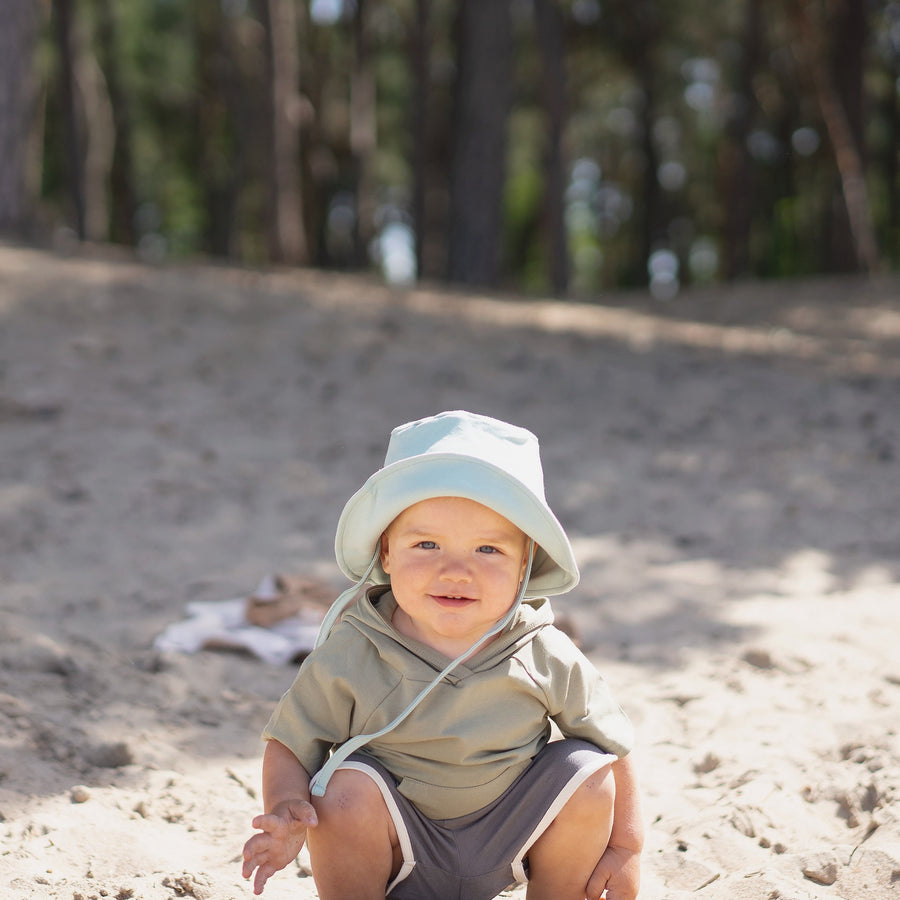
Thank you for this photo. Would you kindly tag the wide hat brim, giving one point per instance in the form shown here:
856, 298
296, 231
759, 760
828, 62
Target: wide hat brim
401, 484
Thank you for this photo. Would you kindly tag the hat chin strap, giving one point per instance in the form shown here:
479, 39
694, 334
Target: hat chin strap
336, 610
321, 778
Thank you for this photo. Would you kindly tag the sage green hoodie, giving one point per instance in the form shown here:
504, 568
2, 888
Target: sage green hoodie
466, 743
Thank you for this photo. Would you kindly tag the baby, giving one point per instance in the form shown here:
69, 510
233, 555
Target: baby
414, 752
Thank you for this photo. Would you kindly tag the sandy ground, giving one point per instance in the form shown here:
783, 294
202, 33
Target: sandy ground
728, 466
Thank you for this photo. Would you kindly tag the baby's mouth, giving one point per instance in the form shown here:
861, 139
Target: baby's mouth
452, 599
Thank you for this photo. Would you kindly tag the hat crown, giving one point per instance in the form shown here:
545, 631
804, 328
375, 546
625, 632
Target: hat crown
507, 447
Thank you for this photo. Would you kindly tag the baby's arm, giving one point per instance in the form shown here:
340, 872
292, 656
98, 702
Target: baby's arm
619, 869
288, 814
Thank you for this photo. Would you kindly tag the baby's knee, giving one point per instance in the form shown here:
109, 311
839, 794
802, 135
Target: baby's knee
350, 795
595, 797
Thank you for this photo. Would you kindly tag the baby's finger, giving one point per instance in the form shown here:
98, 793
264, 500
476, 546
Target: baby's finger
256, 845
262, 876
248, 865
260, 822
255, 851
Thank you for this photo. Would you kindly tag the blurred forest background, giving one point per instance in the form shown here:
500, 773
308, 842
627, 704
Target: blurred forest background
564, 146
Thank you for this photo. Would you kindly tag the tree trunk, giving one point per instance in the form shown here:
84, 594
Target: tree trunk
420, 55
811, 45
650, 203
18, 102
73, 140
124, 202
849, 33
550, 34
479, 141
287, 237
738, 170
431, 128
318, 163
97, 130
217, 166
639, 24
891, 159
363, 134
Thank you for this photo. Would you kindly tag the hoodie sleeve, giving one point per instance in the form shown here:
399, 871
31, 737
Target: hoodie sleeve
318, 711
578, 699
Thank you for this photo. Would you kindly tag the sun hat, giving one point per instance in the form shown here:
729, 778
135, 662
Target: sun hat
458, 454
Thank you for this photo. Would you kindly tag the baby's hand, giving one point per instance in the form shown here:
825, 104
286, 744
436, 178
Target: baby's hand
281, 836
618, 873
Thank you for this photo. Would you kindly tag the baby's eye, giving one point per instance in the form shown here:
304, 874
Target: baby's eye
427, 545
487, 548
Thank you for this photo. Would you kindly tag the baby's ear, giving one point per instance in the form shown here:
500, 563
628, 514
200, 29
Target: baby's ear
528, 544
385, 555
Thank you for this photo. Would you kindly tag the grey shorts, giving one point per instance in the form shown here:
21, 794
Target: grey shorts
477, 856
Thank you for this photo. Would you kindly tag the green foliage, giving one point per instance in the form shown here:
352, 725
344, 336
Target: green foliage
659, 120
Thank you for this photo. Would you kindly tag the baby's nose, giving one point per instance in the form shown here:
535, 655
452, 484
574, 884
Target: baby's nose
456, 569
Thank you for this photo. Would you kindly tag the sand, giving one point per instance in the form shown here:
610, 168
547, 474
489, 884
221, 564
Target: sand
727, 464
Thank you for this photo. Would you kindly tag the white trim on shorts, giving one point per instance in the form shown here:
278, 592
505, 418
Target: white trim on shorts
406, 848
555, 808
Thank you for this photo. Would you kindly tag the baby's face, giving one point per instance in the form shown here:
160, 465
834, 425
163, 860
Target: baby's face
455, 569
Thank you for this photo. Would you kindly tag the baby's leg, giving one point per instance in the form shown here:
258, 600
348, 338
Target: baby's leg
562, 859
354, 849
